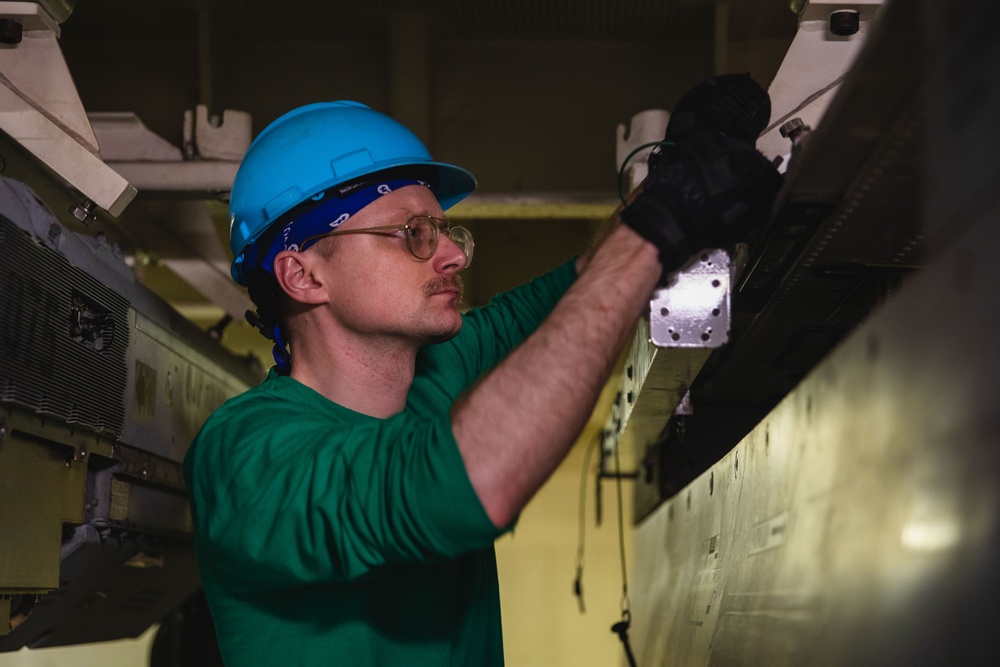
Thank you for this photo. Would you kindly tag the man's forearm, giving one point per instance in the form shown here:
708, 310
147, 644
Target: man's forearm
515, 426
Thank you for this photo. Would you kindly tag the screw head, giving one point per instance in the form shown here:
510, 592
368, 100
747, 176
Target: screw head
84, 212
845, 22
787, 128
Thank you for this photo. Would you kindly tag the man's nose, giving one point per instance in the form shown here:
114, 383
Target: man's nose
448, 256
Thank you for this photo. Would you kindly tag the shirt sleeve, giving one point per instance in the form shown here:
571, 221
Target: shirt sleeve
295, 498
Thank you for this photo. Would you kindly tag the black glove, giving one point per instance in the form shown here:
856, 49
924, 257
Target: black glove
733, 104
709, 188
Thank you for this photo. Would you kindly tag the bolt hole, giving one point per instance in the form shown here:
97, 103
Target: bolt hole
705, 336
716, 283
715, 312
675, 336
664, 312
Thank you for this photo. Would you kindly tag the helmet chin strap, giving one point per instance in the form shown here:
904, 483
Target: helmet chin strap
282, 358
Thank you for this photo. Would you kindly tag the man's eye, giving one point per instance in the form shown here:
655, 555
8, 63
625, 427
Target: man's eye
418, 232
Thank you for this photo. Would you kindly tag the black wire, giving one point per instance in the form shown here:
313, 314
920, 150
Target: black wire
581, 525
804, 103
621, 539
621, 628
628, 158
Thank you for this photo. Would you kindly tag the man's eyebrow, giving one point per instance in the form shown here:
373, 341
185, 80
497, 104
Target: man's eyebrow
423, 210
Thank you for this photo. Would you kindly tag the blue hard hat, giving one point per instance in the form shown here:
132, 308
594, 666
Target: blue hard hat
314, 148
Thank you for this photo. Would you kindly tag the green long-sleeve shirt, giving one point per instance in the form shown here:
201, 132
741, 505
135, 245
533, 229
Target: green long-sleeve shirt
328, 537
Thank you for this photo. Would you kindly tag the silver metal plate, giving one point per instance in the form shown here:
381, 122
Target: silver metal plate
693, 311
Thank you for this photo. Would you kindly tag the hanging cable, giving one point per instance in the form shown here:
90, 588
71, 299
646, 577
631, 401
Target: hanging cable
621, 627
581, 525
628, 158
621, 534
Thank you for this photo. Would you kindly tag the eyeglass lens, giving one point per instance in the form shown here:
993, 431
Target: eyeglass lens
422, 235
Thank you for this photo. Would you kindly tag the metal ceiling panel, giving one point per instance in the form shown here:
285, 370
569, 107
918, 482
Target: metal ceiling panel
452, 19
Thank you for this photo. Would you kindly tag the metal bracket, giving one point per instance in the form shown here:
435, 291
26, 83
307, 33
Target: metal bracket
40, 109
693, 311
214, 138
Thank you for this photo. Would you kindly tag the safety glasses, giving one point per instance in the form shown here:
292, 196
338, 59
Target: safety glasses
421, 233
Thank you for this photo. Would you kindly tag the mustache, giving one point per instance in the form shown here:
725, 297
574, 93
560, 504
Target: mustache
444, 284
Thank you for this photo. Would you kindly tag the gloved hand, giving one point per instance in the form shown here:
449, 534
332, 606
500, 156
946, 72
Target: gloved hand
710, 187
705, 191
733, 104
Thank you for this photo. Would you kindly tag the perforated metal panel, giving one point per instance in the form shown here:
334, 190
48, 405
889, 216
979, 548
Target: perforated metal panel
63, 337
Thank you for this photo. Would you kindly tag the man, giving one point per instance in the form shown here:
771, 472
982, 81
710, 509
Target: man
345, 509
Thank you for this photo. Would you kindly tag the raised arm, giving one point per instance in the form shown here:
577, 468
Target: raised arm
514, 427
706, 189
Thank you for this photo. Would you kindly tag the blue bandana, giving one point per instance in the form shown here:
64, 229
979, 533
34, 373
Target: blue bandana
328, 211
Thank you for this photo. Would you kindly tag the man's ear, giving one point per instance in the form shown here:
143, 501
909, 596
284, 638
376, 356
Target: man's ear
297, 275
